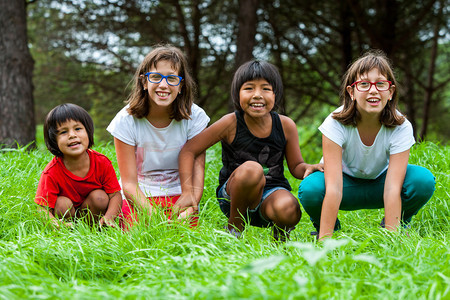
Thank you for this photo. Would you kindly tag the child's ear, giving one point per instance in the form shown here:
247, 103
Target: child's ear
391, 91
143, 81
350, 91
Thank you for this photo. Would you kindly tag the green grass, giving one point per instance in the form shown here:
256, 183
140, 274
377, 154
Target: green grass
162, 261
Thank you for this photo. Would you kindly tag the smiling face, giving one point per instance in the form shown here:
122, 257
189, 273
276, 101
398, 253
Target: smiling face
72, 139
256, 97
371, 102
162, 94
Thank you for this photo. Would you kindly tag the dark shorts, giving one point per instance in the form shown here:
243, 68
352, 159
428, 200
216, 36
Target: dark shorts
254, 216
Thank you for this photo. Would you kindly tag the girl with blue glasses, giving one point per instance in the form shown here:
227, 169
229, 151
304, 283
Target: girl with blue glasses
150, 130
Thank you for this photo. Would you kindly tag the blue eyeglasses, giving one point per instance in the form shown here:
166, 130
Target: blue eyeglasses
172, 80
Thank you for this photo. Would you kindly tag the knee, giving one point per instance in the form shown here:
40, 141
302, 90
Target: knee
419, 183
63, 207
312, 190
288, 210
250, 174
98, 200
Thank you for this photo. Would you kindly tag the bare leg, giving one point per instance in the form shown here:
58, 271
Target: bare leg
283, 209
64, 208
245, 187
95, 205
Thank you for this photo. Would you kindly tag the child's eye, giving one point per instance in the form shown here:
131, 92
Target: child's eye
155, 77
62, 131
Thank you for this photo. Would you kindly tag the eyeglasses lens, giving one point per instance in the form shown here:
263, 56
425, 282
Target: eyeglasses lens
364, 86
171, 79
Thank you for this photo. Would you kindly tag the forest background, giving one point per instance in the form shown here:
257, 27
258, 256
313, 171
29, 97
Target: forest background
86, 52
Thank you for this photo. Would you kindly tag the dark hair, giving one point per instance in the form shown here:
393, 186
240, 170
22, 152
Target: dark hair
370, 60
252, 70
139, 100
63, 113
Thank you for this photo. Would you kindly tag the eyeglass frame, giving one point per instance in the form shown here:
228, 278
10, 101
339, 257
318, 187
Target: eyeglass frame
163, 77
372, 83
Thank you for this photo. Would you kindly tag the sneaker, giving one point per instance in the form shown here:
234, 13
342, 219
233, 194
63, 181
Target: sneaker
281, 235
383, 224
232, 231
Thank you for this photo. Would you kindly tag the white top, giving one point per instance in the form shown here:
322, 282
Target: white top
368, 162
157, 149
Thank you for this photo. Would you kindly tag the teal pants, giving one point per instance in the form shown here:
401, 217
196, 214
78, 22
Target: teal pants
417, 189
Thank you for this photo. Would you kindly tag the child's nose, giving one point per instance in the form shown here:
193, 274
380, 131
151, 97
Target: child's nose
72, 133
164, 82
373, 89
257, 94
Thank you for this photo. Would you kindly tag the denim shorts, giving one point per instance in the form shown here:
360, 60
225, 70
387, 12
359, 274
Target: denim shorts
254, 216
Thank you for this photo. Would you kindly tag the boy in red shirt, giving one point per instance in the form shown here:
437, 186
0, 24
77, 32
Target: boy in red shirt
78, 179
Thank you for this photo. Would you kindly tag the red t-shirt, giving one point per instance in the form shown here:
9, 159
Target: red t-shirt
56, 181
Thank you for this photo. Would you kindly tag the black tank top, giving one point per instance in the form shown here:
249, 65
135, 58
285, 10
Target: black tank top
269, 152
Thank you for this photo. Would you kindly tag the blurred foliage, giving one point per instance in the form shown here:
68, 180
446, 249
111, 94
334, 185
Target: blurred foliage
86, 51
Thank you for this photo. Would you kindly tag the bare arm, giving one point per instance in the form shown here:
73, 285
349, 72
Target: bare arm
189, 205
191, 161
198, 179
126, 159
297, 166
48, 212
114, 206
332, 155
392, 189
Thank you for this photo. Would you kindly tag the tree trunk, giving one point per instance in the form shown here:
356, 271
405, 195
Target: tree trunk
345, 32
431, 70
247, 22
247, 29
17, 125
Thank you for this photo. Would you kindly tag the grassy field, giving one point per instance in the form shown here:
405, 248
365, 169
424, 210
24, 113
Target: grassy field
170, 261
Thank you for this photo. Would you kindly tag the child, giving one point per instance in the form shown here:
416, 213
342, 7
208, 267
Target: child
366, 144
255, 141
152, 128
77, 178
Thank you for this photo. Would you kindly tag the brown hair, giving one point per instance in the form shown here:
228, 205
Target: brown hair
370, 60
139, 100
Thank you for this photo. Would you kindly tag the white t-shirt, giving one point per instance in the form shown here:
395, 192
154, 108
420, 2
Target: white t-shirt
368, 162
157, 149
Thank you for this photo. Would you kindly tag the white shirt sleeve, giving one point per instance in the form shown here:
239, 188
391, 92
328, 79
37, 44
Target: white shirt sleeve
333, 130
199, 120
123, 127
402, 138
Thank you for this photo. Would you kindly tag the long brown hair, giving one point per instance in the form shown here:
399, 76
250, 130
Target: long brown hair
370, 60
139, 100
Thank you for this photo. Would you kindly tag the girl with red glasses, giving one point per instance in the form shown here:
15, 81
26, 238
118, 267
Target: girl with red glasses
366, 144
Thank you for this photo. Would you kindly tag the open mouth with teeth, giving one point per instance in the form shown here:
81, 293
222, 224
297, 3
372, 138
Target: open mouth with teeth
257, 105
373, 101
74, 144
163, 94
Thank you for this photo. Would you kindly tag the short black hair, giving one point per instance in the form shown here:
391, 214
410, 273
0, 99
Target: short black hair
63, 113
256, 69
